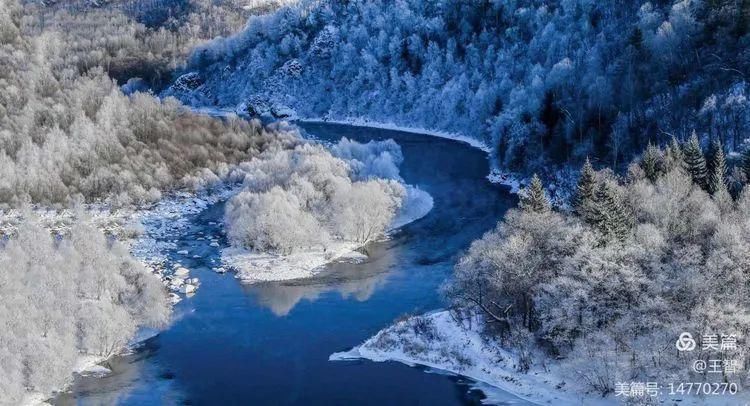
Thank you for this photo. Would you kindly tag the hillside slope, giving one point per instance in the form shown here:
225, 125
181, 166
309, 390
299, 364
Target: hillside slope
542, 81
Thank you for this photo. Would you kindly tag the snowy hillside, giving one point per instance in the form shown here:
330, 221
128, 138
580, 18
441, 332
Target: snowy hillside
540, 81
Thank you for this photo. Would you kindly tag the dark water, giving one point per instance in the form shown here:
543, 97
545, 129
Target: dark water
269, 343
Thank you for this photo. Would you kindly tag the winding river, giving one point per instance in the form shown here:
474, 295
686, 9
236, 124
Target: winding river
269, 343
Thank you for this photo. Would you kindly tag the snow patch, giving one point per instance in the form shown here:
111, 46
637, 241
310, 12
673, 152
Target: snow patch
505, 179
438, 341
363, 122
264, 267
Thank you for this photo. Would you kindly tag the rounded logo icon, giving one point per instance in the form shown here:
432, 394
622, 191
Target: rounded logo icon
685, 342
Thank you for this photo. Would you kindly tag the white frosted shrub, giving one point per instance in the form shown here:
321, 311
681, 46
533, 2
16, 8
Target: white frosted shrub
64, 296
375, 159
271, 221
302, 198
367, 209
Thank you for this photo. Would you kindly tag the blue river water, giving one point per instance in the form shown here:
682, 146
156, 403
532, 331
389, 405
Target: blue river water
268, 344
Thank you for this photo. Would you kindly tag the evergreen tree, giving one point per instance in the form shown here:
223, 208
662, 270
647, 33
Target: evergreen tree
695, 162
717, 182
609, 215
745, 161
651, 162
675, 157
533, 198
586, 189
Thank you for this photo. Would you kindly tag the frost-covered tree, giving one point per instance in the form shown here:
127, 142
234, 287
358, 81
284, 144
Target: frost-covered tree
608, 214
67, 295
717, 182
573, 297
695, 162
541, 82
651, 162
69, 133
366, 211
745, 161
272, 221
533, 198
305, 197
498, 274
674, 157
585, 189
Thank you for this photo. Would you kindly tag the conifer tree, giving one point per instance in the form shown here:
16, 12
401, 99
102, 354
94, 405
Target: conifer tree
533, 198
745, 161
675, 157
717, 177
651, 162
609, 215
695, 162
586, 189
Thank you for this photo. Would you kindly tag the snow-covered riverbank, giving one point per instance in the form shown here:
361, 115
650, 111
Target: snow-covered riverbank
148, 232
92, 365
265, 267
437, 341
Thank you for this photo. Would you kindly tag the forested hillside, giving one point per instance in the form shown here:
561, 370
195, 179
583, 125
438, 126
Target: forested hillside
65, 297
604, 291
541, 81
67, 131
69, 135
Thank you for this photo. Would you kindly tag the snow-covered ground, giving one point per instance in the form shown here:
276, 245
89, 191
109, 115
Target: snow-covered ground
264, 267
88, 364
364, 122
167, 218
438, 341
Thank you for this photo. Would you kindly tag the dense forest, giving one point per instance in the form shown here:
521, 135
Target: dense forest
65, 296
69, 133
607, 288
541, 81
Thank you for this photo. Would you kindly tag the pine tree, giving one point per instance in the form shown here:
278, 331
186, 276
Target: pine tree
651, 162
609, 215
695, 162
675, 157
745, 162
533, 198
586, 189
717, 182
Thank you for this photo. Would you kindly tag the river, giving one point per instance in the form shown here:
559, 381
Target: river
269, 343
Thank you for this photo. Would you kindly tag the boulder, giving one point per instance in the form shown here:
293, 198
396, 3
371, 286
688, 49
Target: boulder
181, 272
257, 106
187, 288
174, 298
187, 82
282, 111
